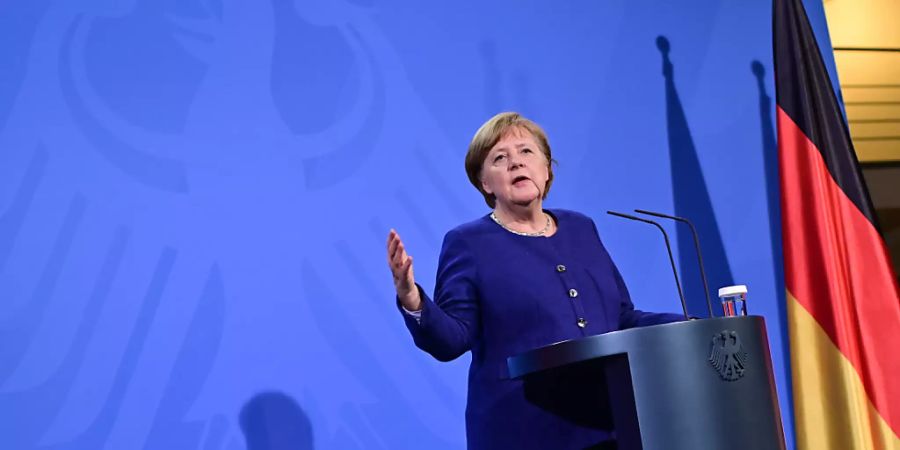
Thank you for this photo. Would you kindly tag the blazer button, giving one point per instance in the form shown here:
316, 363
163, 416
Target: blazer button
573, 293
560, 268
581, 322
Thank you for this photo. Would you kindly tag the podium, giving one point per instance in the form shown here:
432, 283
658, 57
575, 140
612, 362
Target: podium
700, 384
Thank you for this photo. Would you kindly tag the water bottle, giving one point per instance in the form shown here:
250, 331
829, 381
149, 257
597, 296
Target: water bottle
734, 300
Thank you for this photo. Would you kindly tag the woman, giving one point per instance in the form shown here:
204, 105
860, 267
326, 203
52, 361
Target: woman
518, 278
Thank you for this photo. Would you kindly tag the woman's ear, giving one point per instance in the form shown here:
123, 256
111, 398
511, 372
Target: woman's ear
485, 187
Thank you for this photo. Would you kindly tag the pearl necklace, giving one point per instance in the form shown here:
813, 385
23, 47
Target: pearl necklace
532, 234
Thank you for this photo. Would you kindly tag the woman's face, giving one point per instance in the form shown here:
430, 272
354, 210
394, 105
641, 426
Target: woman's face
515, 170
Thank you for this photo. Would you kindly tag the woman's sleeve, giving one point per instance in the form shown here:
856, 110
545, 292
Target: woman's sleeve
449, 324
628, 316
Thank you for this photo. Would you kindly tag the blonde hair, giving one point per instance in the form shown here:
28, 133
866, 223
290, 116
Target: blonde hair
487, 137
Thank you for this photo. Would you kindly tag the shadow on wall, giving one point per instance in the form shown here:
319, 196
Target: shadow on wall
691, 198
773, 199
274, 421
773, 191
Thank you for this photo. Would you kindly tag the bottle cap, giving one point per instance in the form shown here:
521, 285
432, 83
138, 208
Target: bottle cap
728, 291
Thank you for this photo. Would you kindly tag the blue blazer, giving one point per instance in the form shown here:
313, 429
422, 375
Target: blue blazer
498, 294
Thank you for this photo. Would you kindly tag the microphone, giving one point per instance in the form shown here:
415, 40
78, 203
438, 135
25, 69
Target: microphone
696, 246
668, 247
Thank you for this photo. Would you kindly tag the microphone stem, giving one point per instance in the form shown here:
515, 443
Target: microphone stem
671, 258
696, 247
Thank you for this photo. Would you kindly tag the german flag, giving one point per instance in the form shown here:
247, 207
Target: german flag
842, 295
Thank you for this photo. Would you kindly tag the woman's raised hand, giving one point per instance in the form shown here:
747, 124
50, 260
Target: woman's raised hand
402, 270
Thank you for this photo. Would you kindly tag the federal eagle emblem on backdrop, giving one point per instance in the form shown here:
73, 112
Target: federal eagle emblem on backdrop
727, 355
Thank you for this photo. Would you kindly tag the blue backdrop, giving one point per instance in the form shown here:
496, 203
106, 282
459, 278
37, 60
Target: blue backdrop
195, 197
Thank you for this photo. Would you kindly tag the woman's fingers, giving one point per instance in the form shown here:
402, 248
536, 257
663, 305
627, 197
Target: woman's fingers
405, 282
407, 270
401, 264
398, 258
393, 242
399, 261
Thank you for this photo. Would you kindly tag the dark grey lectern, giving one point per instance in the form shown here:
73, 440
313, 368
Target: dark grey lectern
702, 384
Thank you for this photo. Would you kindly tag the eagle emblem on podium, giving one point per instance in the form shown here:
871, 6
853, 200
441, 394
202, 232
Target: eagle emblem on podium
727, 355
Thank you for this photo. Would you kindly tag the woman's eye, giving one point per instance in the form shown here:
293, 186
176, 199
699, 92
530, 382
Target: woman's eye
526, 150
499, 157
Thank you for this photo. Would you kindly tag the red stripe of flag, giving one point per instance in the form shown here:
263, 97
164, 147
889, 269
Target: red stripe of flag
836, 264
837, 267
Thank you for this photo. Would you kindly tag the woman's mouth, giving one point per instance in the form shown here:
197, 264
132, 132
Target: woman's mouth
520, 179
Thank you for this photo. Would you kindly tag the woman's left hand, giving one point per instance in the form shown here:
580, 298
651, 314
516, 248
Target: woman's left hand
402, 270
